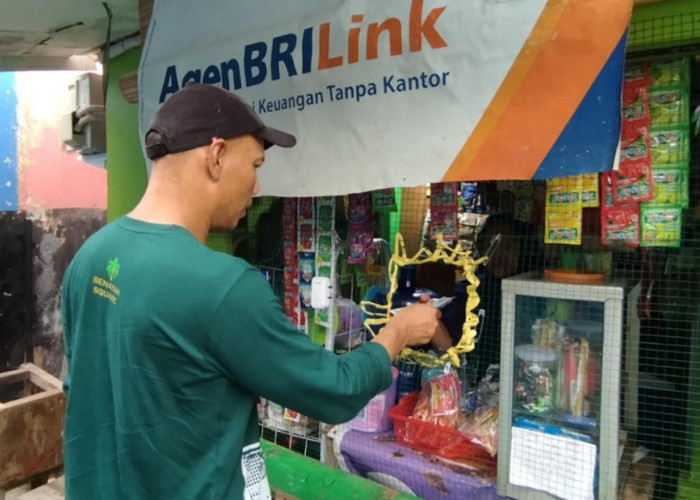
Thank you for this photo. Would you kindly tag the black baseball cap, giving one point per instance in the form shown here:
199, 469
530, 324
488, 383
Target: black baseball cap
198, 112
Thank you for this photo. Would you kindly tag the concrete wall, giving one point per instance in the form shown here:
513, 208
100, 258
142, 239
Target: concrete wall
50, 201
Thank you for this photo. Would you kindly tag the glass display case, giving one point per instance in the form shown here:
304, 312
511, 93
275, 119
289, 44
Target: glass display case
561, 346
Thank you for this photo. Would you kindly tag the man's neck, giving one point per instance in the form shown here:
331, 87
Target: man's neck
168, 202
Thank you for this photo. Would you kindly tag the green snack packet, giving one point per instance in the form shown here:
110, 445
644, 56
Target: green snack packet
669, 186
660, 225
669, 147
669, 72
383, 200
669, 107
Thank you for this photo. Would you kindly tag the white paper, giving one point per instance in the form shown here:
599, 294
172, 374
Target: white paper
559, 465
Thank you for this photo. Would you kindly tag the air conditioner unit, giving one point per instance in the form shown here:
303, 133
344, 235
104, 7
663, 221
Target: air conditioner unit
83, 127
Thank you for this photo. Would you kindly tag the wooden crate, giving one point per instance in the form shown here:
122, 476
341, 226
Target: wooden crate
31, 425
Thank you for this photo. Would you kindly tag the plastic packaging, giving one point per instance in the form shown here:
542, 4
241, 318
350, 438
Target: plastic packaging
375, 417
438, 402
579, 368
436, 440
535, 378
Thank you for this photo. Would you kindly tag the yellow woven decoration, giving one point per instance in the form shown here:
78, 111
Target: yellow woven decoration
380, 314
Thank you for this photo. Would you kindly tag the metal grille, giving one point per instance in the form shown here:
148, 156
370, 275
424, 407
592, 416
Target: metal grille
659, 359
664, 31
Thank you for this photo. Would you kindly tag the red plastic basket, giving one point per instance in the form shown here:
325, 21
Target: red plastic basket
434, 439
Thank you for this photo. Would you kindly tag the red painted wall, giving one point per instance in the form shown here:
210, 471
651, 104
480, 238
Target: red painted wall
49, 176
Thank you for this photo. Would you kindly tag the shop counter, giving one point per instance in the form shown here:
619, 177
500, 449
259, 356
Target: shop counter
376, 456
293, 476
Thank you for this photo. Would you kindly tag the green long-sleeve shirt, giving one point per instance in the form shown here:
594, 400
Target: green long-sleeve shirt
169, 345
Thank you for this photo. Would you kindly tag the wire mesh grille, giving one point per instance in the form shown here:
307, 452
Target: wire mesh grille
653, 393
664, 31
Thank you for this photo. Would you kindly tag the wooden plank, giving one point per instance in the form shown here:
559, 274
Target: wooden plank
293, 476
30, 437
13, 376
48, 381
50, 491
39, 396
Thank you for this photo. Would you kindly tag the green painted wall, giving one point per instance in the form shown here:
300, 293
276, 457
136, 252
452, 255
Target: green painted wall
126, 167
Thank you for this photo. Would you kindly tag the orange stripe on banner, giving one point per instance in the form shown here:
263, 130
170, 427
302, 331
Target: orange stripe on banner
558, 63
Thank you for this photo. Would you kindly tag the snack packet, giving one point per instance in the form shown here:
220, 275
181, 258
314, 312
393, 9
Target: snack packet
438, 401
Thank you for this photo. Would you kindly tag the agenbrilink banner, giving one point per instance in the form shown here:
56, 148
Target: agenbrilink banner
404, 92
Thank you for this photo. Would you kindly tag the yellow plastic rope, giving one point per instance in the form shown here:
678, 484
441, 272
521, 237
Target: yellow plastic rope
443, 253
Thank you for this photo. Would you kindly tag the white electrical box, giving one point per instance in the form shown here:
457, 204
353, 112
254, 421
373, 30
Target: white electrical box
320, 292
83, 127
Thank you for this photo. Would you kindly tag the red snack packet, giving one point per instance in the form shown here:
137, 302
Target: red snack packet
620, 225
636, 75
634, 146
635, 108
632, 184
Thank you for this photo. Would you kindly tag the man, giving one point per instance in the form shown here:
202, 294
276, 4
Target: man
169, 344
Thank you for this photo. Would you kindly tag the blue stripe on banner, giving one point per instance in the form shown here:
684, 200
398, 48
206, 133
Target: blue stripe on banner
8, 142
589, 140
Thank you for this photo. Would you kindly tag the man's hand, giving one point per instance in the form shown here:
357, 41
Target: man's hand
416, 324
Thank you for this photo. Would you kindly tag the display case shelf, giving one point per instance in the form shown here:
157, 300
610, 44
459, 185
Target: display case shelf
559, 425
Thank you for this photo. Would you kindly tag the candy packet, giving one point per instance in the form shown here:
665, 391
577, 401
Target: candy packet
632, 183
669, 186
438, 401
669, 106
672, 71
669, 147
620, 225
660, 225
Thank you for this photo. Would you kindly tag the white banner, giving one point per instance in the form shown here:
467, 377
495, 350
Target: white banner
379, 94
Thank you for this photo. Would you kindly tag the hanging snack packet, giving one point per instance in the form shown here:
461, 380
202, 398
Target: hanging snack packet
564, 192
290, 301
635, 106
606, 199
360, 227
634, 145
669, 107
383, 200
669, 186
306, 225
669, 147
660, 225
469, 192
673, 71
620, 225
633, 184
444, 204
307, 271
563, 226
589, 190
563, 210
636, 75
524, 194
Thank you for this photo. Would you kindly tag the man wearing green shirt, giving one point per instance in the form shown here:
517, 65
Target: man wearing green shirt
169, 344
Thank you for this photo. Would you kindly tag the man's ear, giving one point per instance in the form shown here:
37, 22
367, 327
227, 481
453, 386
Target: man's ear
214, 155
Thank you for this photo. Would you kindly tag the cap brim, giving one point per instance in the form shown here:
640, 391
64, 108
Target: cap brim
275, 137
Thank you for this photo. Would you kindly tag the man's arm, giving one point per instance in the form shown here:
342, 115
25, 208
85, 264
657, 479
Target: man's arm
254, 344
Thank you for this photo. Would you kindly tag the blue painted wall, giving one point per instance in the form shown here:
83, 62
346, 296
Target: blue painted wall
8, 143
